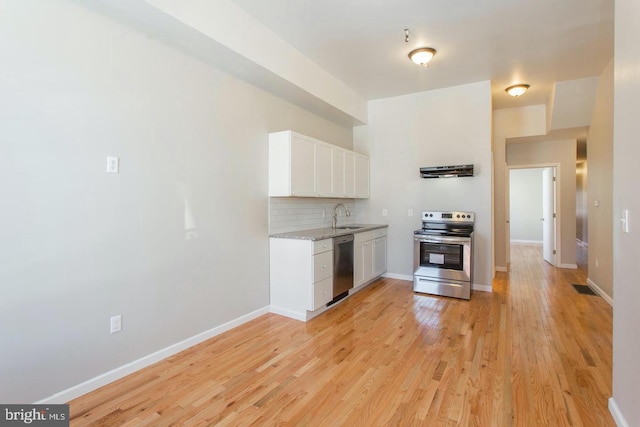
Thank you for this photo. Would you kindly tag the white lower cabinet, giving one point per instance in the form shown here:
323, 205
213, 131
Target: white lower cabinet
380, 256
369, 256
301, 276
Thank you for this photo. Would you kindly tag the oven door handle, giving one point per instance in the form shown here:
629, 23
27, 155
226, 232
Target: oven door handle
444, 239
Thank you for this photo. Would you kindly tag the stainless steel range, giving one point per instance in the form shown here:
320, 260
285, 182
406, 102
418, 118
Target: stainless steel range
443, 254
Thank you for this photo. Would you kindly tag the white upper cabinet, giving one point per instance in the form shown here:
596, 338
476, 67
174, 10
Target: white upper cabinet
350, 174
324, 170
337, 172
292, 165
301, 166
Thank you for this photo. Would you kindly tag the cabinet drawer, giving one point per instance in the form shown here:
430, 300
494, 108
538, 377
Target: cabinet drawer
322, 266
322, 293
320, 246
369, 235
379, 232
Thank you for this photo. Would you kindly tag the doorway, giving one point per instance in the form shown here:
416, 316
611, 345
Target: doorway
531, 209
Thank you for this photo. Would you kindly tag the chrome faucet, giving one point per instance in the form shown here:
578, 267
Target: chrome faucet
335, 213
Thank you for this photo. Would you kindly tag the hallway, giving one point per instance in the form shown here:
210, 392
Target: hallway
562, 340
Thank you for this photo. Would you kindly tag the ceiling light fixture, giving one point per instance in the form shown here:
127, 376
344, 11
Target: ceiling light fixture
422, 56
517, 90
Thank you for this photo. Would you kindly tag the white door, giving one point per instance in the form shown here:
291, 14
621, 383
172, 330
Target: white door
507, 210
549, 215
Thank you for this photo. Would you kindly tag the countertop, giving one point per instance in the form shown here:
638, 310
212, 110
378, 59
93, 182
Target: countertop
327, 233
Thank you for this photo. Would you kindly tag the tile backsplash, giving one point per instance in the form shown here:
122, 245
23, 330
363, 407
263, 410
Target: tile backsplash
293, 214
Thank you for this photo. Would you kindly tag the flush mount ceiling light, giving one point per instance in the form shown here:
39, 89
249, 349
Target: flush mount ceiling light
517, 90
422, 56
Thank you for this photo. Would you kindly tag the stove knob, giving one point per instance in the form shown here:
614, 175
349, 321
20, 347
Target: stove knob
458, 216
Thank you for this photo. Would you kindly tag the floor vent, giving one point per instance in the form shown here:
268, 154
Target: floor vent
584, 289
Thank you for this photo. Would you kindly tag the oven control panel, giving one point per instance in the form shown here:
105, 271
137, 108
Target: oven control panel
431, 216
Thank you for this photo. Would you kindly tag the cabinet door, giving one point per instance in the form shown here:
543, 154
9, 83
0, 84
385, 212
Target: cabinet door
358, 264
349, 174
337, 175
324, 170
303, 167
379, 256
367, 255
362, 176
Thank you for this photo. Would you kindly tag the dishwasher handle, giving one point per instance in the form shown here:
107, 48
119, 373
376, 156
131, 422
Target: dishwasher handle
342, 239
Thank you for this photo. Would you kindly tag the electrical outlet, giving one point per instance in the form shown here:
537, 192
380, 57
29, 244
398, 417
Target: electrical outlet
113, 164
116, 324
385, 212
410, 212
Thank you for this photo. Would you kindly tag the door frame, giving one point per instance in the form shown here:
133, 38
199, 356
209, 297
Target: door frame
558, 199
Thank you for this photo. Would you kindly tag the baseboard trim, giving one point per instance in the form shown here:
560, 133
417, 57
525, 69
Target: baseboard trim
571, 266
616, 414
599, 291
398, 276
288, 313
482, 288
502, 269
526, 242
129, 368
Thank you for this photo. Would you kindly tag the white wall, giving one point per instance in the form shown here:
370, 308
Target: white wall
525, 205
520, 122
562, 152
440, 127
600, 185
626, 252
509, 123
167, 241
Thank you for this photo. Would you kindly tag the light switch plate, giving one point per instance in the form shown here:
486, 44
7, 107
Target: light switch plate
385, 212
625, 221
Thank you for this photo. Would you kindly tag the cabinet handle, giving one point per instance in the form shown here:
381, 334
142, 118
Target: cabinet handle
324, 246
324, 266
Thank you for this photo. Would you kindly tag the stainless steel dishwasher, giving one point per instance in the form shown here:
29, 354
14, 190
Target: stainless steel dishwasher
342, 266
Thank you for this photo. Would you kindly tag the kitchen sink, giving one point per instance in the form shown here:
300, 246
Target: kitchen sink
348, 227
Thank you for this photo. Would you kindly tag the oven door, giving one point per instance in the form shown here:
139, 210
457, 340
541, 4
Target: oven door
442, 257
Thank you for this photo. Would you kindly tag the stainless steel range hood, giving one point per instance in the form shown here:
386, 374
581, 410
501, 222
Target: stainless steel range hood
446, 171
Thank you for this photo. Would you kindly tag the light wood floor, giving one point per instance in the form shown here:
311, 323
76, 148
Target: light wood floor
532, 353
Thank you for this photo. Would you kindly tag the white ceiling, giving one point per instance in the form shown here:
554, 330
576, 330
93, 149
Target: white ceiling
361, 42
